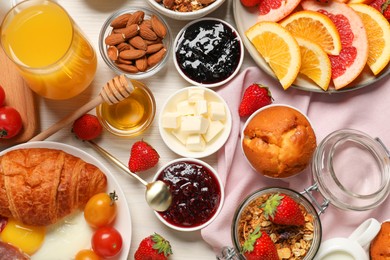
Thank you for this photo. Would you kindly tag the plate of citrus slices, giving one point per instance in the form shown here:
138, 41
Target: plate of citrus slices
314, 45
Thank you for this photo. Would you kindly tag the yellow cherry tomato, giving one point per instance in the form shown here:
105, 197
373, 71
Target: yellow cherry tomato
101, 209
87, 254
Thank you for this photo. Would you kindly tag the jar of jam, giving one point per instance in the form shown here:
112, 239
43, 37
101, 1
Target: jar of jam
208, 52
342, 155
197, 194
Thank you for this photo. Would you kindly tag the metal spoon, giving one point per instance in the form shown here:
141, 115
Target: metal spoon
157, 193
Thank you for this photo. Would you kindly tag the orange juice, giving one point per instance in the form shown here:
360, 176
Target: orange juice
50, 51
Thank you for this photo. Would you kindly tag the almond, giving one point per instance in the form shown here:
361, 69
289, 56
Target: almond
158, 27
128, 68
120, 21
132, 54
147, 33
159, 40
156, 57
146, 23
142, 64
123, 46
120, 60
154, 48
112, 53
128, 31
136, 18
138, 43
114, 39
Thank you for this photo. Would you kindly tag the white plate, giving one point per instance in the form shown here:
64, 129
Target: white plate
174, 144
247, 17
123, 219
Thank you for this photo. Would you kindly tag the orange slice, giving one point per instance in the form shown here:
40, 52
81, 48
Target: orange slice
278, 48
378, 34
315, 63
316, 27
348, 65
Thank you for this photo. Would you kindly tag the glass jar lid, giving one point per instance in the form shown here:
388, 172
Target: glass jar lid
352, 170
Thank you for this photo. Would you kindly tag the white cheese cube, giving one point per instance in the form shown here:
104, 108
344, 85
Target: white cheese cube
171, 120
216, 111
194, 124
185, 108
195, 94
180, 135
201, 107
195, 143
215, 127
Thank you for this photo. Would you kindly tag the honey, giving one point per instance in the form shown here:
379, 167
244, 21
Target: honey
132, 116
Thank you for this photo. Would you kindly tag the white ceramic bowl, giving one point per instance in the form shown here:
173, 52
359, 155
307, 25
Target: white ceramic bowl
107, 29
185, 15
192, 194
173, 142
220, 54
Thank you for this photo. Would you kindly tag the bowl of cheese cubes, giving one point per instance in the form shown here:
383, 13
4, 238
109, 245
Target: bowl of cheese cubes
195, 122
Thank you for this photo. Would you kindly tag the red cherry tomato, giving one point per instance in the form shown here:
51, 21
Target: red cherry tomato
10, 122
87, 254
101, 209
2, 96
107, 242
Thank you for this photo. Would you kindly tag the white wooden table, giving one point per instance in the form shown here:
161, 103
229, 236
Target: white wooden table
90, 16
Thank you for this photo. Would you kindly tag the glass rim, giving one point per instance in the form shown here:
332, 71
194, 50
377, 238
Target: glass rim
30, 3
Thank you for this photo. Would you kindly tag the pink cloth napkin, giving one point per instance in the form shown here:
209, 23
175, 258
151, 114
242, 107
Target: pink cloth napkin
366, 109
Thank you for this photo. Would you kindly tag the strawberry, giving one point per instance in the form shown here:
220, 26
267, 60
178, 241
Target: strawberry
87, 127
259, 246
250, 3
142, 157
382, 6
255, 97
153, 247
283, 210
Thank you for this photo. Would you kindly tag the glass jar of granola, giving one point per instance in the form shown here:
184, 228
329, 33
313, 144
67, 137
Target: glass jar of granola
351, 171
292, 242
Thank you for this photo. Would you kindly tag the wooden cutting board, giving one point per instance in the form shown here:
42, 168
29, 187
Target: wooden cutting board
19, 96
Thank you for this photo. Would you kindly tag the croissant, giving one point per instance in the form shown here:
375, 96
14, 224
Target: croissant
39, 186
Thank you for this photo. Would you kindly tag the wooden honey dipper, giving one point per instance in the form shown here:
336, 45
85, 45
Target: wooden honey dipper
115, 90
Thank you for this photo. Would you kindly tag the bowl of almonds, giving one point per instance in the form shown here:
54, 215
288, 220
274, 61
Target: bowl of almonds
135, 41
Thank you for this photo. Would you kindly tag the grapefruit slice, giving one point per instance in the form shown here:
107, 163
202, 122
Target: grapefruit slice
278, 48
382, 6
353, 56
316, 27
378, 33
276, 10
315, 63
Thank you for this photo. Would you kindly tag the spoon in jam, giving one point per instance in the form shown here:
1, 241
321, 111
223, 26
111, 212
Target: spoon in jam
157, 193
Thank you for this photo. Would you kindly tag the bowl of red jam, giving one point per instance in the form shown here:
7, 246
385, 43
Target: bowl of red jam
208, 52
197, 194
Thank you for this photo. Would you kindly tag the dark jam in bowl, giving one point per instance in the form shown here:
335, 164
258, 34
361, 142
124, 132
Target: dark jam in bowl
208, 51
196, 194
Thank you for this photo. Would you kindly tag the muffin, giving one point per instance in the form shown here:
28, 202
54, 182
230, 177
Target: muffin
380, 245
278, 141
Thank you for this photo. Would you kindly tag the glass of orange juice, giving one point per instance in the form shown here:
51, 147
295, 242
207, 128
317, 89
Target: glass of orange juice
52, 54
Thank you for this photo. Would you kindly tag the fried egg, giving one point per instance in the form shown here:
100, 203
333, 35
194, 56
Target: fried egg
65, 238
28, 238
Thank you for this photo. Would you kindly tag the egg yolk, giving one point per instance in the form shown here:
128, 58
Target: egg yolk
28, 238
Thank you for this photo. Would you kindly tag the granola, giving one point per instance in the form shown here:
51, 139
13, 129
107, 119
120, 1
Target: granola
185, 5
292, 242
